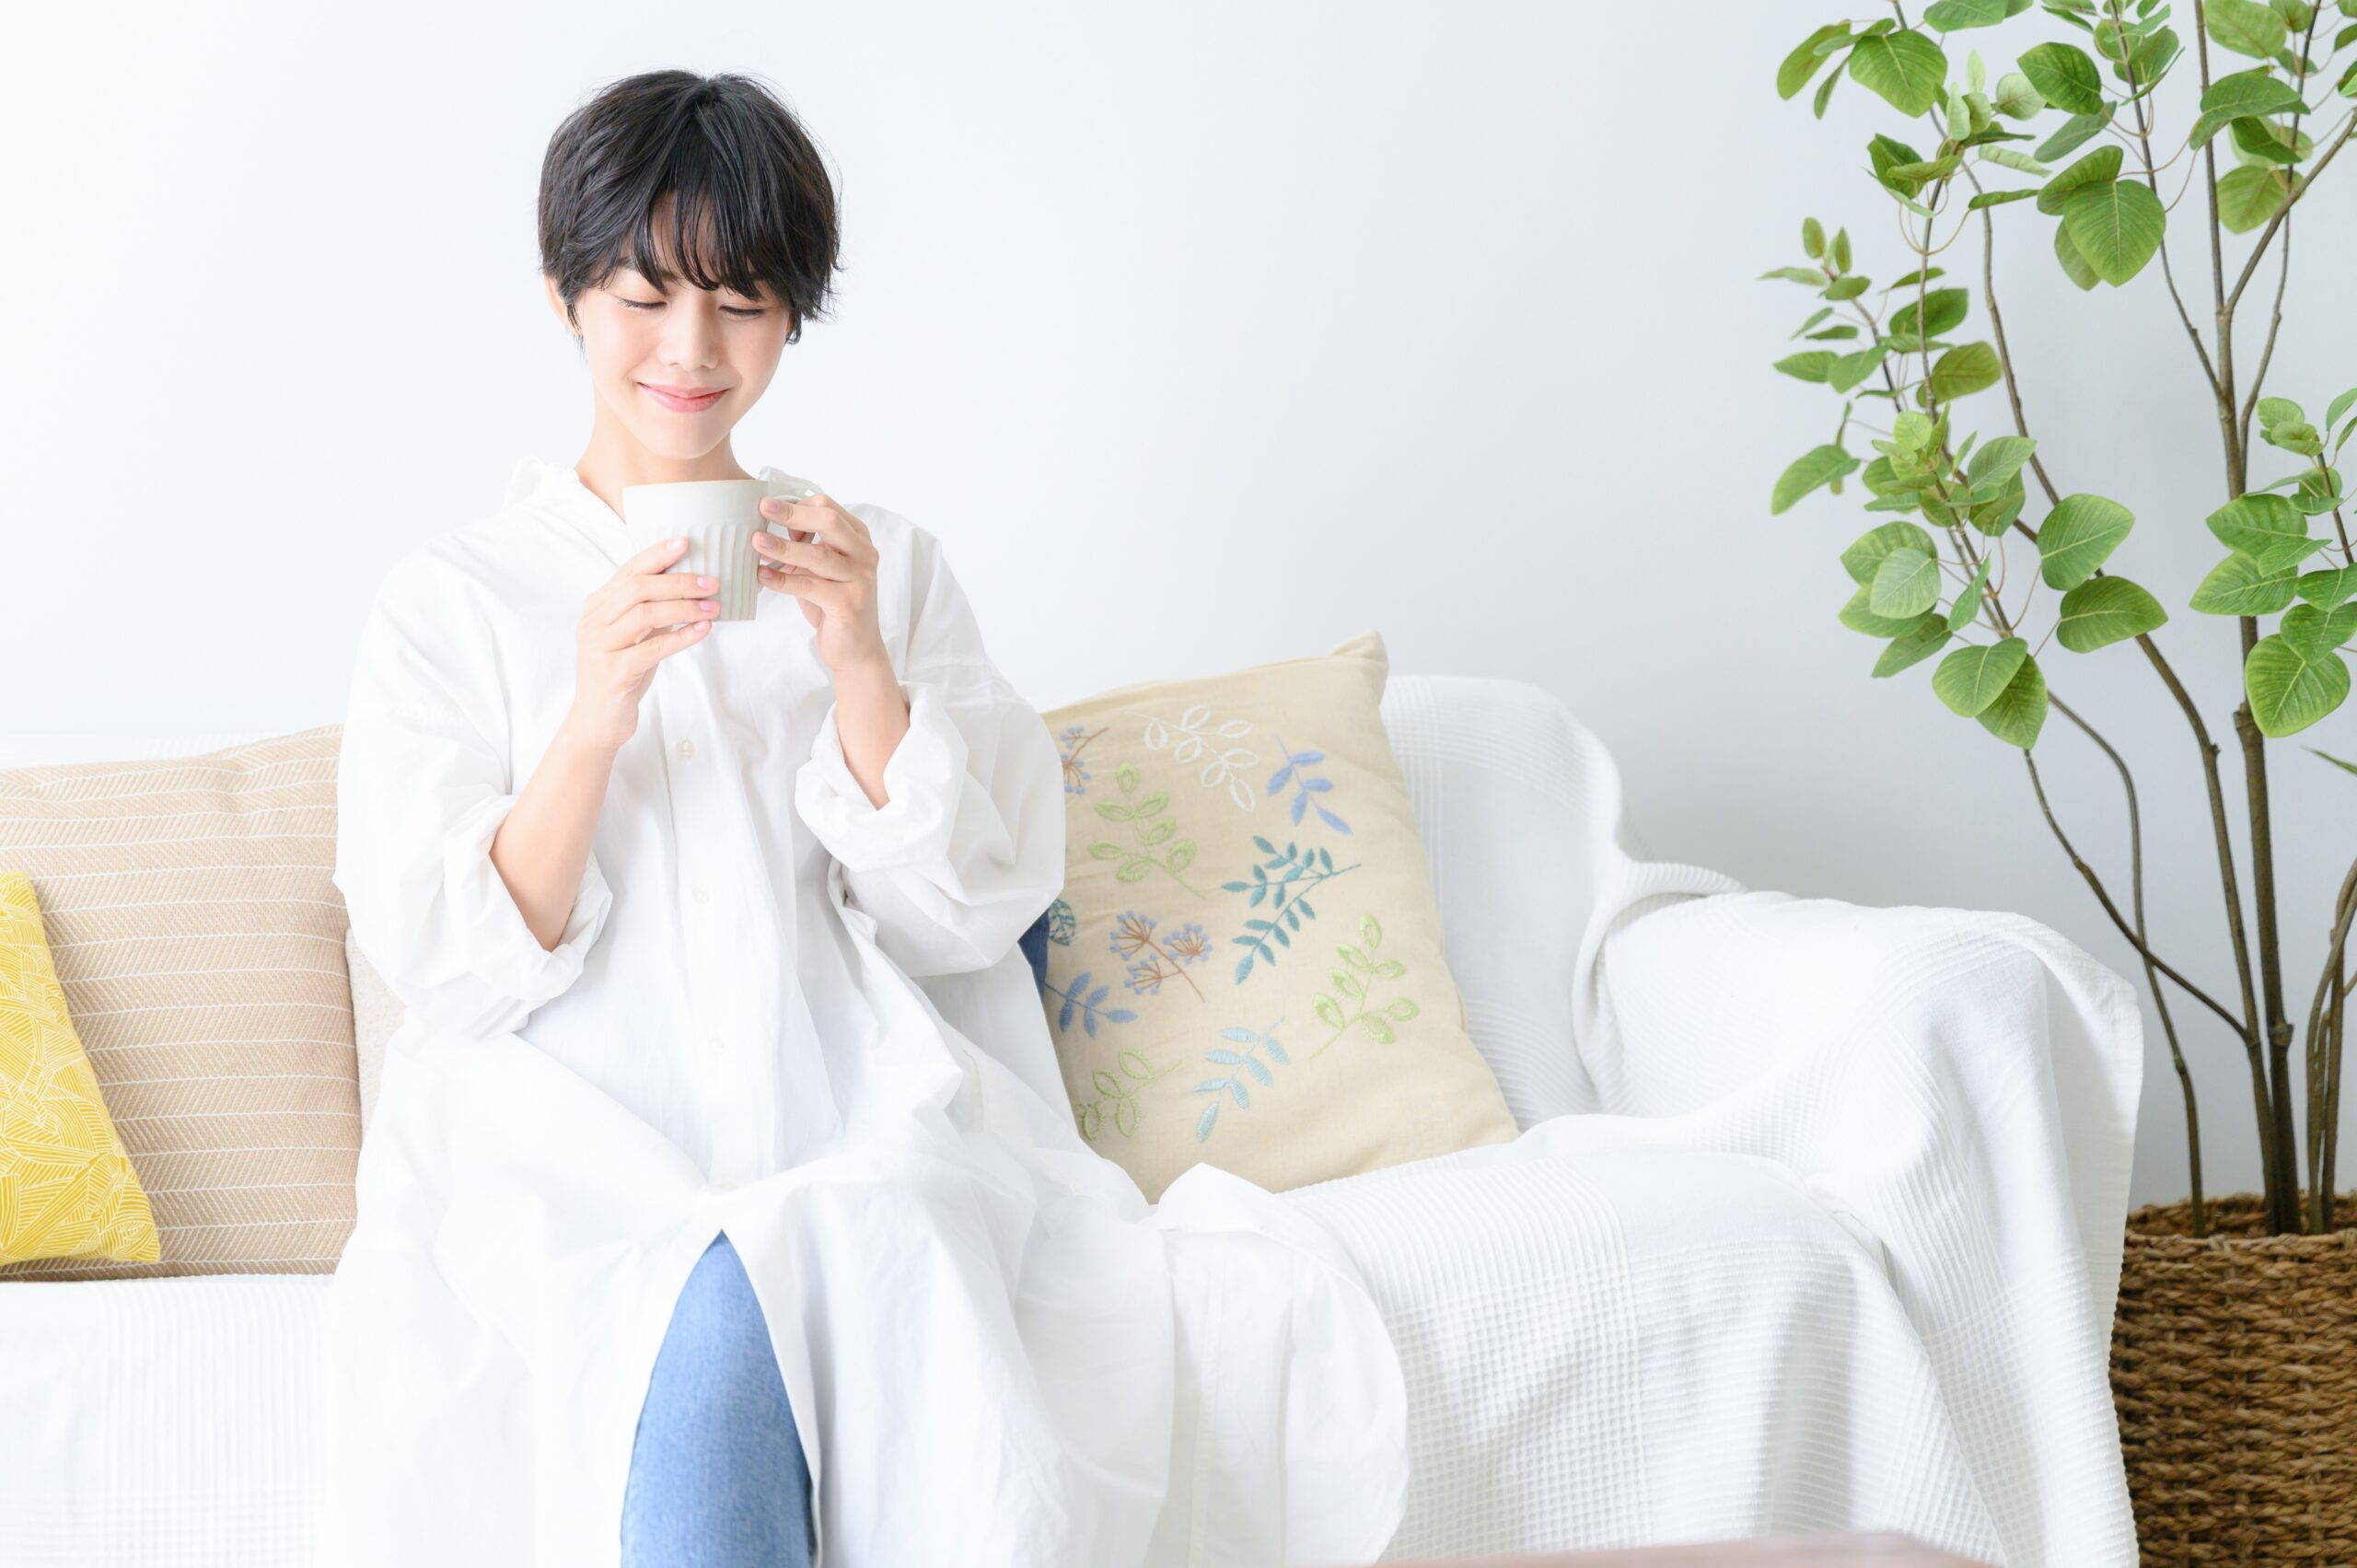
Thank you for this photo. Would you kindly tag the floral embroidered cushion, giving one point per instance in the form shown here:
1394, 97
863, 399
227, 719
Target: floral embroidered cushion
1245, 967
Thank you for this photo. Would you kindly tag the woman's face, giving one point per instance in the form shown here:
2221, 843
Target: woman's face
644, 346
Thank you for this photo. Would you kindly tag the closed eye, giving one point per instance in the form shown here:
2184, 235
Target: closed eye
740, 312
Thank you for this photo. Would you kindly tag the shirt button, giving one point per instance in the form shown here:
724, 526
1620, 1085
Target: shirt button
703, 896
712, 1043
687, 747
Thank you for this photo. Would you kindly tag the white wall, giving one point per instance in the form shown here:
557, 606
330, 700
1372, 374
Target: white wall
1205, 335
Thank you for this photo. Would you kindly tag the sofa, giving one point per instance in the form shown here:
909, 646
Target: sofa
1814, 1222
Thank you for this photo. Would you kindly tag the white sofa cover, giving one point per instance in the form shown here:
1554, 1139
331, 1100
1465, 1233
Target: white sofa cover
1815, 1223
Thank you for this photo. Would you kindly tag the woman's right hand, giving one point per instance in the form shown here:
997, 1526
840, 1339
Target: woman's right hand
622, 637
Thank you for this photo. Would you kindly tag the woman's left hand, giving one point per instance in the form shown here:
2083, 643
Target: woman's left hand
821, 554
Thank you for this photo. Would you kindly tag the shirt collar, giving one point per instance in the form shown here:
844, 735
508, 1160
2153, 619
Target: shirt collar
537, 481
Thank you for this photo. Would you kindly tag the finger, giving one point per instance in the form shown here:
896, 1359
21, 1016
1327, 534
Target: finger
816, 559
643, 655
617, 593
648, 617
823, 592
818, 516
658, 587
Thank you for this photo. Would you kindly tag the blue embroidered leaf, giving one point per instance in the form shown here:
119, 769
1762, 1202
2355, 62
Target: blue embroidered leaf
1277, 779
1121, 1015
1235, 1087
1210, 1086
1325, 859
1237, 1031
1318, 784
1300, 804
1224, 1058
1332, 821
1258, 1070
1266, 847
1063, 1019
1088, 1022
1099, 995
1278, 1051
1309, 756
1203, 1128
1243, 968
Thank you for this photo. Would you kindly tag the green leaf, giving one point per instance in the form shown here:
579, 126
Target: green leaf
2292, 685
2320, 630
2016, 98
2269, 141
2327, 587
1970, 678
2231, 98
1918, 643
2336, 761
1859, 616
2247, 28
2078, 536
1943, 308
1911, 432
2074, 265
1840, 249
1906, 68
1848, 369
2240, 585
2341, 405
1955, 16
1808, 275
2117, 227
1999, 458
2103, 610
2266, 527
1906, 584
2064, 76
1824, 92
1963, 371
1869, 550
2019, 711
1968, 603
1801, 63
1998, 198
2098, 166
1994, 517
2074, 133
1812, 238
1847, 288
1819, 465
1809, 366
2248, 196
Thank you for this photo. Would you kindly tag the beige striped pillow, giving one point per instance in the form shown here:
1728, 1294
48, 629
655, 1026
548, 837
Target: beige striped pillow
199, 941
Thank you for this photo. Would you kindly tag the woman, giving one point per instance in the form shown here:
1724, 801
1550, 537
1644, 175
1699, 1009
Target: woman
690, 1229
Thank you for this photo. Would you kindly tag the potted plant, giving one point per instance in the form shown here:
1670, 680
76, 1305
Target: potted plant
2234, 1349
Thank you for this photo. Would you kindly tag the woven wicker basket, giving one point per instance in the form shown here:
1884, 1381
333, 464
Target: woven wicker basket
2234, 1367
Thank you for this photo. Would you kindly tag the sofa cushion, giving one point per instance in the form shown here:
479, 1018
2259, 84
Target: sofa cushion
67, 1189
199, 943
1245, 967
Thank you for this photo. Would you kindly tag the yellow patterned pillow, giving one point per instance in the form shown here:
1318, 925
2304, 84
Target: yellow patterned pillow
1245, 969
66, 1185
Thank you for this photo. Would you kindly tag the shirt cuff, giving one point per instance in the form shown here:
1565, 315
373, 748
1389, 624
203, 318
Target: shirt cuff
499, 946
922, 779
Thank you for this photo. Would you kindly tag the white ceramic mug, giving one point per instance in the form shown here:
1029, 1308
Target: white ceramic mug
718, 517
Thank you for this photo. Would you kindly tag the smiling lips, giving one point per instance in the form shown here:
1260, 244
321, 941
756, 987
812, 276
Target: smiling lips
683, 400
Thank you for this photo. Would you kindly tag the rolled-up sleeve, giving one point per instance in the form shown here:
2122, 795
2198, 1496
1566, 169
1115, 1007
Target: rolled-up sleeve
422, 784
969, 846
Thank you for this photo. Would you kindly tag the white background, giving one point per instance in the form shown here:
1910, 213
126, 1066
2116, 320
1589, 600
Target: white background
1204, 335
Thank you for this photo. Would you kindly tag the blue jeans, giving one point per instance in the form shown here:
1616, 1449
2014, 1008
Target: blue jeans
717, 1476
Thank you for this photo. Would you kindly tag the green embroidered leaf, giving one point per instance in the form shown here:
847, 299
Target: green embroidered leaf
2078, 536
2019, 711
1374, 1026
1970, 678
2103, 610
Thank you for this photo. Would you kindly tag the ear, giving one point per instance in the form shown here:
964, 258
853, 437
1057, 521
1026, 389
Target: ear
556, 300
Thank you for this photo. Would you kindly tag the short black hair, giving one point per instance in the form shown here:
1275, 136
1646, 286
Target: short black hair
752, 206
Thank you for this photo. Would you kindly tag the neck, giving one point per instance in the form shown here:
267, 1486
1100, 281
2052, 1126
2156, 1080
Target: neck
616, 458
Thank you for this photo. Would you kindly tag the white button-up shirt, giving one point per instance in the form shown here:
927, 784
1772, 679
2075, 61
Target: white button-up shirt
964, 1299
